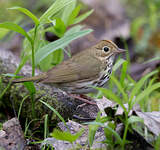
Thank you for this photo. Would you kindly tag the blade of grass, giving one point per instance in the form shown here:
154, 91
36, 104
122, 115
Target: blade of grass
153, 59
51, 108
118, 64
120, 88
20, 107
117, 136
146, 92
139, 85
123, 73
27, 126
109, 94
130, 79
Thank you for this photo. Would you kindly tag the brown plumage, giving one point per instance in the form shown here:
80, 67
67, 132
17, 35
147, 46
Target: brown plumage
83, 70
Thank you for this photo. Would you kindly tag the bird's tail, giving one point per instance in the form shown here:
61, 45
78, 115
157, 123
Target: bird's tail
27, 79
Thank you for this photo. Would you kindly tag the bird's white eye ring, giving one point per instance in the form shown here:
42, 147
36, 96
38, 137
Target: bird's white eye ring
105, 48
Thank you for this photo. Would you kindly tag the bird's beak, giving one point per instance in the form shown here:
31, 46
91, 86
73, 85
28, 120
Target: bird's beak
121, 50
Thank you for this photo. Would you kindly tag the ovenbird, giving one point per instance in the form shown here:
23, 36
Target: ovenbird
79, 74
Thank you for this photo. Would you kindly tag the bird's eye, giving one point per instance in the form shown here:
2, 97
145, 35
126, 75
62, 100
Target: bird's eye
105, 48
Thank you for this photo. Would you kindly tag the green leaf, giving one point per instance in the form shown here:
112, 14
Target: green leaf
28, 13
16, 28
157, 143
117, 136
118, 64
130, 79
73, 15
146, 92
30, 87
51, 60
120, 88
153, 59
59, 27
66, 136
58, 56
53, 9
109, 94
91, 134
74, 29
82, 17
93, 128
134, 119
46, 63
67, 12
139, 85
108, 134
123, 73
58, 44
3, 32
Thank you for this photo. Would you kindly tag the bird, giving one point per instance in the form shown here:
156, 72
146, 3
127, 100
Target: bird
82, 72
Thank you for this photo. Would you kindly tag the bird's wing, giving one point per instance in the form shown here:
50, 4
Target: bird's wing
74, 69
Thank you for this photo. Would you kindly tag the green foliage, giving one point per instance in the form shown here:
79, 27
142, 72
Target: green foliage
145, 23
59, 26
92, 130
44, 54
153, 59
125, 84
30, 87
109, 130
16, 28
157, 144
66, 136
126, 91
82, 17
53, 46
20, 107
28, 13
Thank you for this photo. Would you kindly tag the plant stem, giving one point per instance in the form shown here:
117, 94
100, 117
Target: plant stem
125, 131
33, 71
33, 51
33, 62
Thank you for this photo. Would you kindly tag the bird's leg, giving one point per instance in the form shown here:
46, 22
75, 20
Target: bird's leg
83, 98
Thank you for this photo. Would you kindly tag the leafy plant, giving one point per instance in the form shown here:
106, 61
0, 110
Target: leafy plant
66, 136
56, 19
126, 91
